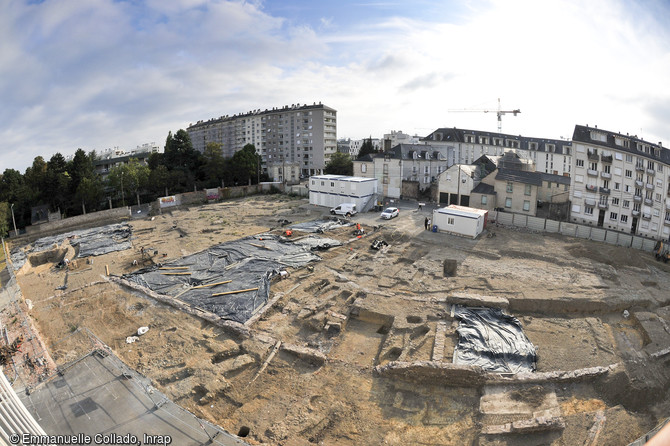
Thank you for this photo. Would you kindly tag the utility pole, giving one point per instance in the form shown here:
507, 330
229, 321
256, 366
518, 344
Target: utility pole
16, 233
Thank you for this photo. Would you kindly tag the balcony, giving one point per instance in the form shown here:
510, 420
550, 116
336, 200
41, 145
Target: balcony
651, 172
605, 190
637, 198
639, 167
591, 188
635, 213
646, 216
602, 206
639, 183
606, 159
648, 201
666, 222
592, 155
592, 173
649, 186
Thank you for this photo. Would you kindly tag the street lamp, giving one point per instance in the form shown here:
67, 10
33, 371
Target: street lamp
123, 201
16, 233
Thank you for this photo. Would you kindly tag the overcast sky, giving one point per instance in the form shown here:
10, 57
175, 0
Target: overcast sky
99, 74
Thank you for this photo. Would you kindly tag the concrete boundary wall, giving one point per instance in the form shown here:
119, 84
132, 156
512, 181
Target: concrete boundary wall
573, 230
90, 219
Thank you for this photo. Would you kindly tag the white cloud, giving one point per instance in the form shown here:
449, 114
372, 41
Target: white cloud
105, 73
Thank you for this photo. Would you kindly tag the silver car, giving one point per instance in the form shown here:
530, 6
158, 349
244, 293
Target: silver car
389, 213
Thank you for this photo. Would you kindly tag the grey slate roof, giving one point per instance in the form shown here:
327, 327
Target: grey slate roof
583, 134
485, 189
519, 176
458, 135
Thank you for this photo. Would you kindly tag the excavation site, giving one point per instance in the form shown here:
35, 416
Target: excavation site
265, 320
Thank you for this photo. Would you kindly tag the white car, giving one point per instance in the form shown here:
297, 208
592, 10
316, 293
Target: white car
389, 213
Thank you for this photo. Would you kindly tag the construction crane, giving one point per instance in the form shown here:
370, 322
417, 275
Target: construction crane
498, 112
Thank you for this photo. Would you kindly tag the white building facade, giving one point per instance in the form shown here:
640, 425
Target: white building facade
333, 190
620, 182
548, 155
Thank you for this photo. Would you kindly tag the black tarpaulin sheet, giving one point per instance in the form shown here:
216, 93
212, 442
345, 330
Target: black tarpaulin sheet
91, 242
247, 263
492, 340
321, 226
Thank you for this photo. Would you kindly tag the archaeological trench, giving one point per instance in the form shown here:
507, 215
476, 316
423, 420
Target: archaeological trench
515, 338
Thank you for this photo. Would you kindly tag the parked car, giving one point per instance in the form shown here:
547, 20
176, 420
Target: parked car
389, 213
347, 209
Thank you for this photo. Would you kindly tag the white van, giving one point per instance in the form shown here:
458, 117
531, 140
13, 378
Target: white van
347, 209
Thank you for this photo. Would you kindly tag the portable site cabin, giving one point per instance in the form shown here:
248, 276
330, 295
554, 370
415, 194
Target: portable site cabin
460, 220
333, 190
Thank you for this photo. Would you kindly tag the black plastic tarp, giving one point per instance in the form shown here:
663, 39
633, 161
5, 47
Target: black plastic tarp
492, 340
321, 226
248, 263
91, 242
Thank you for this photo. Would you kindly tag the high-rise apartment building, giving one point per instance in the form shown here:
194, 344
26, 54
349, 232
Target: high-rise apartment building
293, 141
620, 182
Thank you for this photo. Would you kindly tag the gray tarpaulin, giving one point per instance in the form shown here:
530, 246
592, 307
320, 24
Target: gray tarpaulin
248, 263
492, 340
91, 242
321, 225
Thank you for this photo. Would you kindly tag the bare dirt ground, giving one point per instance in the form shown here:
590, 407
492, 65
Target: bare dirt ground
362, 308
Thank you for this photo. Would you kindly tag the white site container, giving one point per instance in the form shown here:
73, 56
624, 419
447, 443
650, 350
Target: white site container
459, 220
333, 190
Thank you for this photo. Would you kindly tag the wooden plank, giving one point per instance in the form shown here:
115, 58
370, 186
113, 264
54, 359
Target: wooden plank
234, 292
212, 284
176, 274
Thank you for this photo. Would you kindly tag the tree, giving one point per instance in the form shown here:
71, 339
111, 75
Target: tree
159, 178
180, 156
89, 192
5, 216
366, 148
57, 182
130, 178
340, 164
214, 164
245, 164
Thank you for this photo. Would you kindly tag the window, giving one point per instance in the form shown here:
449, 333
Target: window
606, 184
526, 189
613, 216
322, 183
624, 218
580, 163
625, 204
579, 178
629, 159
588, 210
526, 205
659, 167
617, 171
484, 198
637, 207
650, 165
364, 168
629, 173
658, 197
332, 184
615, 201
626, 188
508, 202
510, 186
450, 221
576, 209
667, 215
593, 166
386, 168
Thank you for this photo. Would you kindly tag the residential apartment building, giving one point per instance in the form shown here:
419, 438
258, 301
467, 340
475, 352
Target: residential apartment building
110, 158
549, 155
418, 163
620, 182
356, 144
302, 134
516, 187
394, 138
